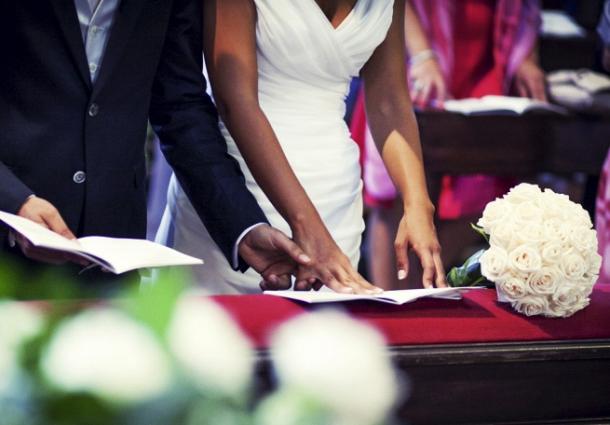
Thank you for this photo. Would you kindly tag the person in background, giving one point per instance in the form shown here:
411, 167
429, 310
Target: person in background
602, 205
470, 48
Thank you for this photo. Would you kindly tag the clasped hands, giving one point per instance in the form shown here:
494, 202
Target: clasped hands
277, 258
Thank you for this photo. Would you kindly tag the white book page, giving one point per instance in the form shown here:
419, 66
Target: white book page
498, 104
392, 297
129, 254
39, 235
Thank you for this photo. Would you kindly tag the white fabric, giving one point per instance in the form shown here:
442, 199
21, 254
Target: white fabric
305, 67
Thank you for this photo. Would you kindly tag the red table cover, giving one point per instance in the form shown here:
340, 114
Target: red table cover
478, 318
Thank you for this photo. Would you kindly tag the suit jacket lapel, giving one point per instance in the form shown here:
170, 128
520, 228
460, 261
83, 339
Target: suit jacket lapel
68, 21
124, 22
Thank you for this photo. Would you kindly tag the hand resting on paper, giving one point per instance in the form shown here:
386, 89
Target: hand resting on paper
44, 213
272, 254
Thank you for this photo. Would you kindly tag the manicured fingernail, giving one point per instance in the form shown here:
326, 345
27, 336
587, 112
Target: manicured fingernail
304, 258
347, 290
402, 274
273, 278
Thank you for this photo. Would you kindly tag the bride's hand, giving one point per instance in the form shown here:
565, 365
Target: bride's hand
328, 266
416, 231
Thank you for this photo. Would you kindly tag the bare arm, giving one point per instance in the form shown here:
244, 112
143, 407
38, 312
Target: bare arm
395, 132
427, 81
230, 50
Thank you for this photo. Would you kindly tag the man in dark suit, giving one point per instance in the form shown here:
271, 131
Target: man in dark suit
79, 82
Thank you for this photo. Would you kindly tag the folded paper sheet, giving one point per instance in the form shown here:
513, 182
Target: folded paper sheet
391, 297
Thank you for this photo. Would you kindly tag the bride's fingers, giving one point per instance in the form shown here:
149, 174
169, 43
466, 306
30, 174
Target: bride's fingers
402, 259
329, 280
441, 277
427, 263
365, 286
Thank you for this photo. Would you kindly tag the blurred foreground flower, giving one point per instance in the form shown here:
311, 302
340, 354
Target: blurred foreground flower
341, 364
211, 348
104, 352
20, 323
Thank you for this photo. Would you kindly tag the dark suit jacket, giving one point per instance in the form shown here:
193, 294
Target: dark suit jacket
54, 123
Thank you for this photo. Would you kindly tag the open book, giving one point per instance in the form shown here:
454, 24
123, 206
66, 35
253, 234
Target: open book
391, 297
500, 105
113, 254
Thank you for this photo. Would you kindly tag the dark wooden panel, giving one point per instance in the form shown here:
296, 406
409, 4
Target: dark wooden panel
512, 383
513, 145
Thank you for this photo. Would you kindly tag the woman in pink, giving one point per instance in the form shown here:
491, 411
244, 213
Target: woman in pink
469, 48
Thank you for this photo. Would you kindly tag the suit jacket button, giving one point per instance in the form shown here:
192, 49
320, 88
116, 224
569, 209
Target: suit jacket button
94, 109
79, 177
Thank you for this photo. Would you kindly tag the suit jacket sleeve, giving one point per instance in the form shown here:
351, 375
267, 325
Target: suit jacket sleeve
186, 121
13, 192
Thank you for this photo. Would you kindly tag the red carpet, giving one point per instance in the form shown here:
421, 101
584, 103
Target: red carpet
477, 318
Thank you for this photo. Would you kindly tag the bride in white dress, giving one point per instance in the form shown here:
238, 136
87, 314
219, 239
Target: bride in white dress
280, 71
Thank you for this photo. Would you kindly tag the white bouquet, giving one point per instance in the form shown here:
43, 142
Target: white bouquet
543, 253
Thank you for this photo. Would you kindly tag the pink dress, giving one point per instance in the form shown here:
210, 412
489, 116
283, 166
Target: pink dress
490, 38
602, 220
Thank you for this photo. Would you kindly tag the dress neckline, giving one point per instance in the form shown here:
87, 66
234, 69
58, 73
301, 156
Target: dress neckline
321, 13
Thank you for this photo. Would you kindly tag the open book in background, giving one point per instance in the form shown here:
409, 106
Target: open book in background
500, 105
390, 297
113, 254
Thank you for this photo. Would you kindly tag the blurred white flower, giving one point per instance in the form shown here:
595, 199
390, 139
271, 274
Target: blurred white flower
340, 362
20, 322
210, 347
511, 288
106, 353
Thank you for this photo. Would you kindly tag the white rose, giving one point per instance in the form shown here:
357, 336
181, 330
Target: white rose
493, 263
573, 265
532, 305
511, 288
543, 281
583, 239
505, 236
106, 353
551, 252
594, 264
525, 258
579, 216
495, 212
531, 233
528, 213
210, 347
339, 362
523, 192
568, 299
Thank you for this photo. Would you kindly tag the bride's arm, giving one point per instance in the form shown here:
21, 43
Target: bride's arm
230, 51
395, 132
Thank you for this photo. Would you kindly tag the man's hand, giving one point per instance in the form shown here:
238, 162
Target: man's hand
44, 213
273, 254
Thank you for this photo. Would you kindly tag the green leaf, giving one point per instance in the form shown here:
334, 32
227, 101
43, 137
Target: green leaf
468, 274
153, 304
480, 231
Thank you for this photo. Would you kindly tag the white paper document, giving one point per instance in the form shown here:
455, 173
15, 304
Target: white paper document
500, 105
113, 254
391, 297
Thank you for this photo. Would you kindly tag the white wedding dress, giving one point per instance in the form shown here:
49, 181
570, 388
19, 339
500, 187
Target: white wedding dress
305, 66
